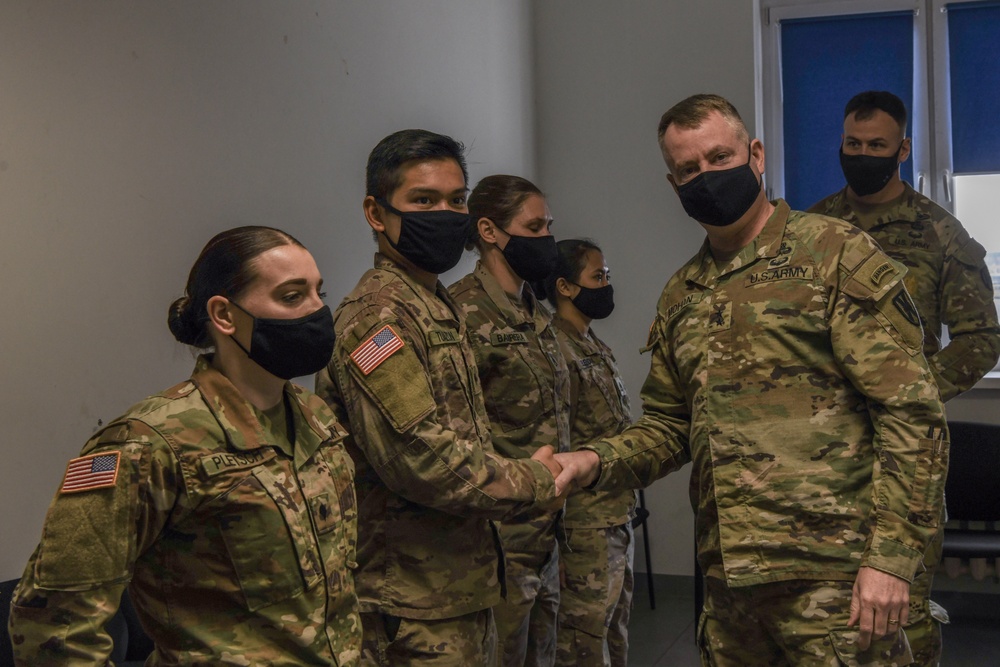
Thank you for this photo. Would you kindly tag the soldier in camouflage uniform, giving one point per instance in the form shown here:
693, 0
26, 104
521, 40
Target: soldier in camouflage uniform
787, 366
526, 389
429, 481
224, 504
596, 556
946, 276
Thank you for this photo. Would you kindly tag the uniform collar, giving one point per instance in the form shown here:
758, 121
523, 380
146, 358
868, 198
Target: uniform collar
438, 304
513, 315
766, 244
236, 415
869, 216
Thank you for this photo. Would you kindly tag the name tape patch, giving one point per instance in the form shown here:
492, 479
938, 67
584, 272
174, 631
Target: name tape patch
213, 464
508, 338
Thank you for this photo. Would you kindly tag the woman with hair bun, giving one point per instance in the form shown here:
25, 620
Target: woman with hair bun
596, 556
225, 505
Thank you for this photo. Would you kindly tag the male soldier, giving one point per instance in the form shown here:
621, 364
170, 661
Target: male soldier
946, 276
428, 480
786, 366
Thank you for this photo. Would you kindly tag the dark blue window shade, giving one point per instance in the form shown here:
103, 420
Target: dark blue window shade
974, 64
826, 61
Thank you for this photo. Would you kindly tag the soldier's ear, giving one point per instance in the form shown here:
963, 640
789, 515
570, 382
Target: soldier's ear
564, 288
373, 214
220, 316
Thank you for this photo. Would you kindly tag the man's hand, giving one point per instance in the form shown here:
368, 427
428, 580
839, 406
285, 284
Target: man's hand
545, 456
580, 467
880, 603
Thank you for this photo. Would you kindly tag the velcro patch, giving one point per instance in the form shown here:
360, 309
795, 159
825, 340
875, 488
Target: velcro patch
377, 349
213, 464
441, 337
507, 338
905, 306
782, 273
97, 471
880, 272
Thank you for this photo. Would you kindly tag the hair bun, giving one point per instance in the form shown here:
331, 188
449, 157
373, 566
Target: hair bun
183, 325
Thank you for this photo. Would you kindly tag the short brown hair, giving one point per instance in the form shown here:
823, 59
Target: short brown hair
691, 112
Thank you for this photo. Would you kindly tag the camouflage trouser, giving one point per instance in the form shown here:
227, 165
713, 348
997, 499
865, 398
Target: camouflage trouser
801, 623
526, 621
463, 641
923, 628
596, 599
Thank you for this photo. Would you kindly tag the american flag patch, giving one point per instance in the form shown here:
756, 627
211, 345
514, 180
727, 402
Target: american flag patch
376, 349
91, 472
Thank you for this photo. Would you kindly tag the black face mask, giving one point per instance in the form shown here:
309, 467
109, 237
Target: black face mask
867, 174
432, 240
291, 348
530, 257
720, 198
595, 302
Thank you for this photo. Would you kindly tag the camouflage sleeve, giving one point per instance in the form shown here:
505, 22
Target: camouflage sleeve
876, 336
657, 444
969, 312
395, 421
74, 581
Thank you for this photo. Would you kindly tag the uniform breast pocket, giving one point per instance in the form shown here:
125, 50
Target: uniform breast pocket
261, 541
598, 392
515, 394
334, 505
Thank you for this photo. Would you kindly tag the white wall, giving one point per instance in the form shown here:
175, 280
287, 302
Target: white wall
131, 132
606, 72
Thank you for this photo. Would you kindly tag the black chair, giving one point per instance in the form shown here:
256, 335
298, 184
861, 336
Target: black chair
641, 514
972, 491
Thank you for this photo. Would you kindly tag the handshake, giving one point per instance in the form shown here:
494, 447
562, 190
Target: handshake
570, 470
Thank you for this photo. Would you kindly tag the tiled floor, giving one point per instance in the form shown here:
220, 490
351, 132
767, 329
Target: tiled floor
665, 637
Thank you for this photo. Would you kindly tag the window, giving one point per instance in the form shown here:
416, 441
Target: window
941, 58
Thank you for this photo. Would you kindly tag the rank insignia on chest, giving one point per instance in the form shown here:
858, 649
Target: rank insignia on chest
96, 471
721, 316
376, 349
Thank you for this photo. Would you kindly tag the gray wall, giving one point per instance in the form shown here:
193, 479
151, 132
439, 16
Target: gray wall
132, 132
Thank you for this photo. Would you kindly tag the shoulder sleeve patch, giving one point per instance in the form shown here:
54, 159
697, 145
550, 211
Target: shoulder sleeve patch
395, 379
97, 471
370, 354
874, 277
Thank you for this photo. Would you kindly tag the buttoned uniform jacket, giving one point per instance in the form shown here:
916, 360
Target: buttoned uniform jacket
599, 408
234, 551
525, 383
792, 377
946, 276
428, 479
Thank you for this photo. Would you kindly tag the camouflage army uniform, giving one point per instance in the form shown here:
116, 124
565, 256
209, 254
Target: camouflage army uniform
596, 555
950, 285
946, 277
428, 480
526, 389
234, 551
792, 377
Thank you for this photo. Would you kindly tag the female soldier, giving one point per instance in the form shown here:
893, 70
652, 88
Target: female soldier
596, 558
525, 384
225, 504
